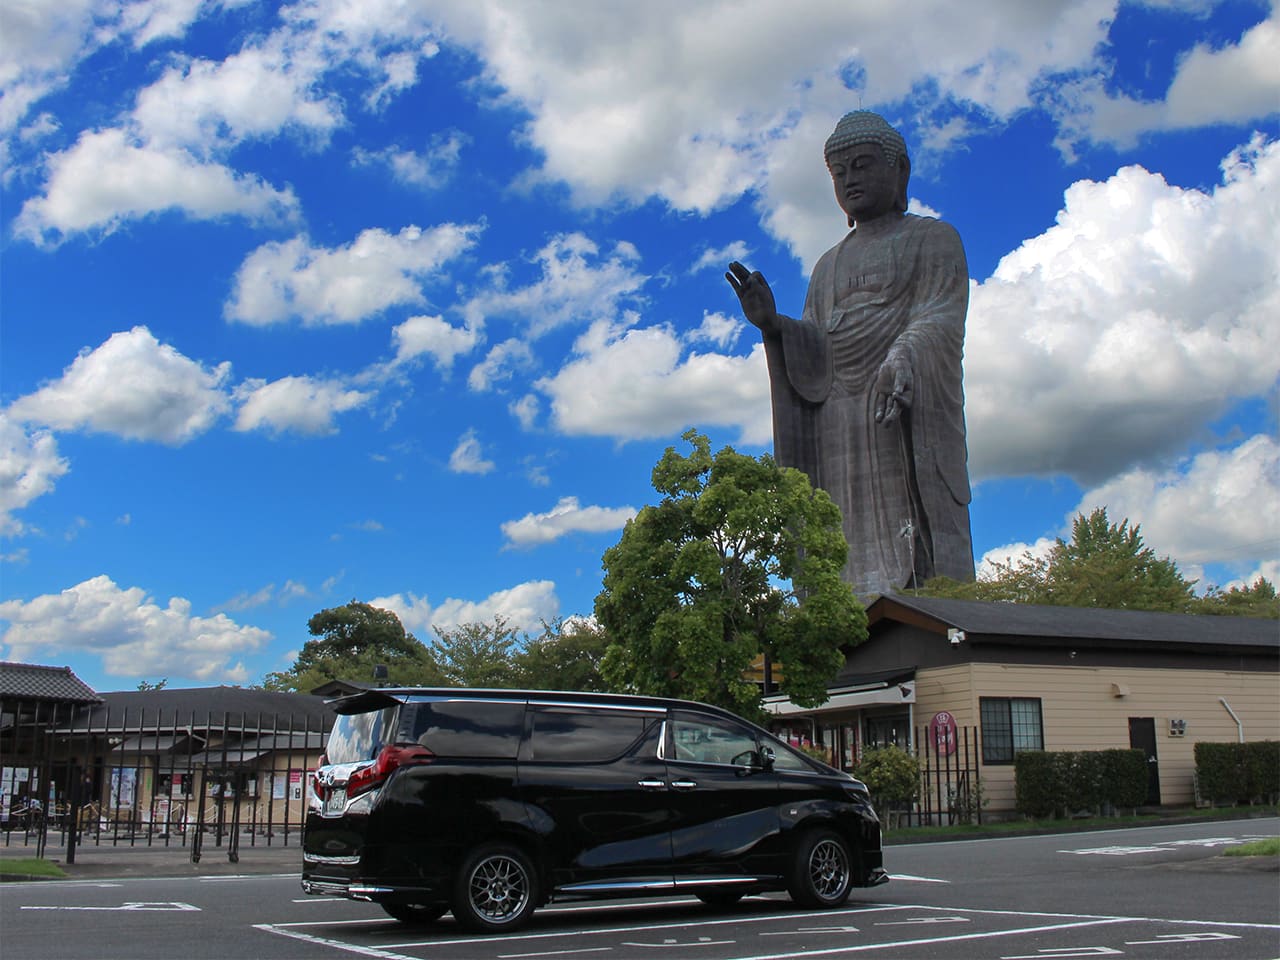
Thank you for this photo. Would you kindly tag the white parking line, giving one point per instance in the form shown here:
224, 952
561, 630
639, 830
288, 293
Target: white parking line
335, 944
639, 928
927, 941
1066, 921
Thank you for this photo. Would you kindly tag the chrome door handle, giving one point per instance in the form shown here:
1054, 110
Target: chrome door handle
684, 784
651, 784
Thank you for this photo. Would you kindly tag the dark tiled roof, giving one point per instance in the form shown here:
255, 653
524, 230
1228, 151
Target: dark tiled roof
32, 682
340, 688
201, 706
979, 618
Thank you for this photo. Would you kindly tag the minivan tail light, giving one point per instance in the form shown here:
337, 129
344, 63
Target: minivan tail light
316, 786
389, 759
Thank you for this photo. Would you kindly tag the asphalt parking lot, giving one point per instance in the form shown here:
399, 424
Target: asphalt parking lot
1148, 894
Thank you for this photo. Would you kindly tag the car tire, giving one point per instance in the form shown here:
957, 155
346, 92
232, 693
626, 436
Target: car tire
720, 898
418, 914
496, 889
821, 870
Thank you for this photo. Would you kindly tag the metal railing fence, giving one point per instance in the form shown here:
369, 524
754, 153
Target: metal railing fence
73, 778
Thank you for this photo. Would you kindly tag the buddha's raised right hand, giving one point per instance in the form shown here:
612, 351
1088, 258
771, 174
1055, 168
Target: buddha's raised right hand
755, 296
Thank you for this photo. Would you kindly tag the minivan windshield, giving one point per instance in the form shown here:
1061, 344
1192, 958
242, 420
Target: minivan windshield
359, 736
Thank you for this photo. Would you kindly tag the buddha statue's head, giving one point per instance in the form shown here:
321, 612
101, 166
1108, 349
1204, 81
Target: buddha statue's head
869, 166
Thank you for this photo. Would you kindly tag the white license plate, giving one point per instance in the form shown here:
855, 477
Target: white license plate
336, 803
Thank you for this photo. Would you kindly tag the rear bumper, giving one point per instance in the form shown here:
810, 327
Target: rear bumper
374, 893
349, 877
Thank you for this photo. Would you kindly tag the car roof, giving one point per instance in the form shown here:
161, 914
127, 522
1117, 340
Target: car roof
382, 697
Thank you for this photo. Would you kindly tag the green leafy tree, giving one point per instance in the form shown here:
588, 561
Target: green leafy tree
351, 640
148, 685
566, 656
1259, 599
740, 558
478, 654
1103, 565
1107, 565
354, 628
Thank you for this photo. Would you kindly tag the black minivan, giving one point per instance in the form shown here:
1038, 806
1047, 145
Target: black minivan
489, 803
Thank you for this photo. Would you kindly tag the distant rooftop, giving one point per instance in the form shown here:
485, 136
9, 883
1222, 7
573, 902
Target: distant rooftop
996, 619
215, 705
30, 681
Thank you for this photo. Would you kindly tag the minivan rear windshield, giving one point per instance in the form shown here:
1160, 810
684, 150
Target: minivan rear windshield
359, 736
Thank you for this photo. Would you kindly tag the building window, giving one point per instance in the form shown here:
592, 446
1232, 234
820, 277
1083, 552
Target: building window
893, 730
1010, 725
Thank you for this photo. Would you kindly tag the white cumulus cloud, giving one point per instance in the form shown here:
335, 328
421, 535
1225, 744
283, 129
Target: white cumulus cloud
29, 468
645, 383
301, 404
131, 634
132, 386
468, 456
1221, 506
346, 284
566, 517
577, 285
1229, 83
429, 169
524, 606
106, 179
500, 364
1133, 322
256, 92
695, 103
432, 336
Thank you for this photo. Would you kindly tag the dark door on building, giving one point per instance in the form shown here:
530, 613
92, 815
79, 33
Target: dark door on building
1142, 736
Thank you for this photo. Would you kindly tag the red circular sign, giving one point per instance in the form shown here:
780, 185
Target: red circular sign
942, 731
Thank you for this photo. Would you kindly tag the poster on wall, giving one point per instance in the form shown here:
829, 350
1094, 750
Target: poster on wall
278, 784
124, 786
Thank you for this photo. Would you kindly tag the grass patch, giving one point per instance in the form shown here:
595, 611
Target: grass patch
30, 867
1269, 847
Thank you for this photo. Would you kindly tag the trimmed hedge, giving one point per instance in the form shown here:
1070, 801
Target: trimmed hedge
1238, 772
1036, 788
891, 774
1060, 783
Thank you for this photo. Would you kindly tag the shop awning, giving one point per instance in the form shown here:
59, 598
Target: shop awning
886, 688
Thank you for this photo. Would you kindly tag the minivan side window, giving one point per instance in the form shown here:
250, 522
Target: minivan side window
583, 735
482, 729
786, 758
706, 739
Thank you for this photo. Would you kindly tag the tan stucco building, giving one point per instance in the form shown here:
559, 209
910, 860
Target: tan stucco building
1007, 677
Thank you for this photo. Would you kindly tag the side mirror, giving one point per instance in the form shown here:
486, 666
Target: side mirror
766, 758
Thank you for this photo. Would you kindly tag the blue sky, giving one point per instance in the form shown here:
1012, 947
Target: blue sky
402, 301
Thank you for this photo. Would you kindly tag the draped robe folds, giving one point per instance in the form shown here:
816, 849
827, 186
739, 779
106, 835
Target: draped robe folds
895, 287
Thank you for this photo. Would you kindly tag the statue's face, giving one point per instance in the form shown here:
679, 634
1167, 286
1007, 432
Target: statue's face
865, 184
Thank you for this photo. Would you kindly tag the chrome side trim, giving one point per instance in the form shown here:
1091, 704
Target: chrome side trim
589, 705
721, 881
